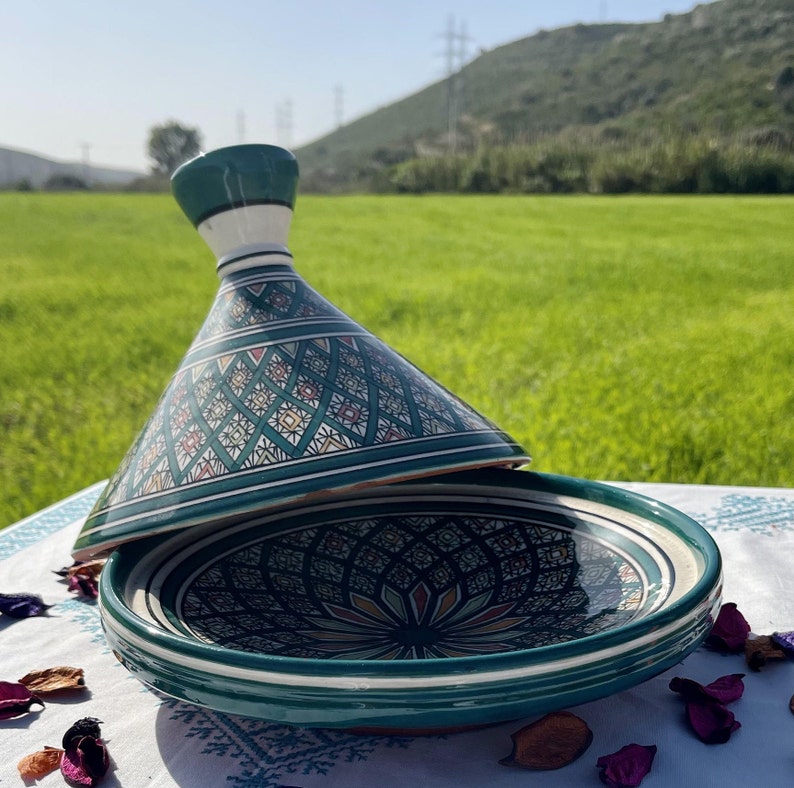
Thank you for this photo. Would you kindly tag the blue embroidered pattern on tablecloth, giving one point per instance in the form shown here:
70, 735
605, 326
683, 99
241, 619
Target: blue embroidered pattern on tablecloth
86, 614
36, 527
766, 515
267, 753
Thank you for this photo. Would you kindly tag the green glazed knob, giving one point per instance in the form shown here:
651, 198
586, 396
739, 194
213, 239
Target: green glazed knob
235, 177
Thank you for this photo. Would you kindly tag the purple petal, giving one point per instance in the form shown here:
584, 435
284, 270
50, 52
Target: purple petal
85, 585
22, 605
85, 759
72, 769
712, 722
626, 767
86, 762
785, 640
66, 571
725, 689
15, 700
730, 630
689, 689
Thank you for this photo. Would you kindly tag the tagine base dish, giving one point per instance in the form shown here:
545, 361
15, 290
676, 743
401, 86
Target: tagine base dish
454, 602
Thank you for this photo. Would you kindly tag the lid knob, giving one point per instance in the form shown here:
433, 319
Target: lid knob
235, 177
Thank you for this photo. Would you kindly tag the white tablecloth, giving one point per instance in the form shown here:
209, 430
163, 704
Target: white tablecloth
155, 741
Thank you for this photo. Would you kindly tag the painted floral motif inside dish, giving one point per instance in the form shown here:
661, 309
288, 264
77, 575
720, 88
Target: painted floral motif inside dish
397, 587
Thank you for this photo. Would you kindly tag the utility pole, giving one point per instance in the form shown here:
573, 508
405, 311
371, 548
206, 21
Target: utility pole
455, 54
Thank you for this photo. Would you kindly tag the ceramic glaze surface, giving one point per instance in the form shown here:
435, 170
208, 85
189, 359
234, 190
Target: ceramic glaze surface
281, 395
480, 596
432, 584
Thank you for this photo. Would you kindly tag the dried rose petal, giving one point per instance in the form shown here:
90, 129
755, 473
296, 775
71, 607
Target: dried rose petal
549, 743
53, 680
725, 689
39, 764
84, 584
85, 760
759, 650
730, 630
65, 571
22, 605
712, 722
87, 726
626, 767
784, 640
15, 700
91, 568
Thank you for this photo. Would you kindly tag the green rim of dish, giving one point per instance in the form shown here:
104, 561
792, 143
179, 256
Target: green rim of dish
690, 532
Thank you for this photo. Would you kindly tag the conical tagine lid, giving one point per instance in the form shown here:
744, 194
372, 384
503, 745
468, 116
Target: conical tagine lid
281, 396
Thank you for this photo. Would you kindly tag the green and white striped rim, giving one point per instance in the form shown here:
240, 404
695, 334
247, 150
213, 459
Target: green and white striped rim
433, 692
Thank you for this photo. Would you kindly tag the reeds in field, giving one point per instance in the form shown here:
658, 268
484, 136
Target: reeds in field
697, 164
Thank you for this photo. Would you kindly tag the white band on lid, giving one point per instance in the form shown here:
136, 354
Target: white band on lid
250, 227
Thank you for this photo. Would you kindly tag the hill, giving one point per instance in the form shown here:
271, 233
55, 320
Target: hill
19, 166
725, 68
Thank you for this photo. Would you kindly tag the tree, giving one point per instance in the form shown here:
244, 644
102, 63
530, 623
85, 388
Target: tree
172, 144
65, 182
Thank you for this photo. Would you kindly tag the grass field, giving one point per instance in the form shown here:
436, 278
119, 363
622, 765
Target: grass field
643, 338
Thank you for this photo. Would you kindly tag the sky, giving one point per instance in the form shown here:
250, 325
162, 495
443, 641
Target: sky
86, 80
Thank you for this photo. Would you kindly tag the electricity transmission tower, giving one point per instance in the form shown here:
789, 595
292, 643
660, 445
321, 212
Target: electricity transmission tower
85, 147
339, 106
455, 53
284, 123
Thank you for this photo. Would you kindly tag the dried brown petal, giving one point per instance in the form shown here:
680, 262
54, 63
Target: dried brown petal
791, 704
551, 742
38, 764
89, 568
759, 650
53, 680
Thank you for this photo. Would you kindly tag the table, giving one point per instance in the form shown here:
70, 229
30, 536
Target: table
156, 741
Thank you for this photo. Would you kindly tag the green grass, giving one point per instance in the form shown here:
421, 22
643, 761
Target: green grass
643, 338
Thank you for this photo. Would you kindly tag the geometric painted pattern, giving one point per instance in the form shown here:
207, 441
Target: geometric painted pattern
277, 376
398, 587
